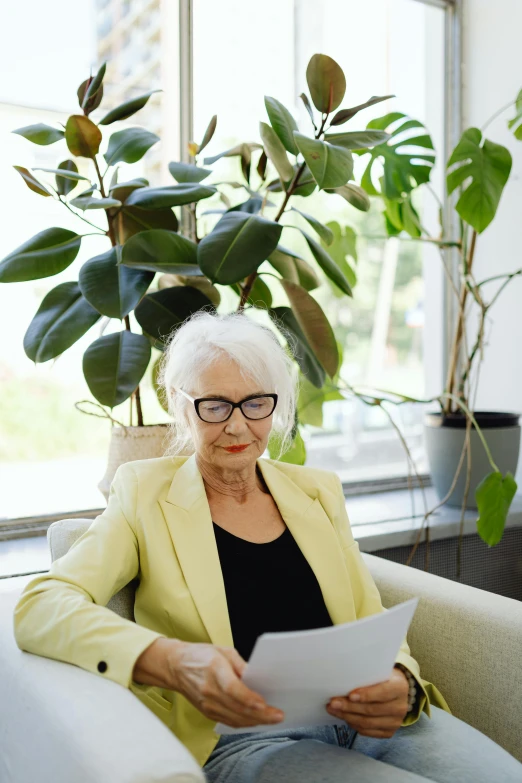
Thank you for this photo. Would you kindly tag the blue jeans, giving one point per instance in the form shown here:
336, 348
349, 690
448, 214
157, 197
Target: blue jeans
442, 749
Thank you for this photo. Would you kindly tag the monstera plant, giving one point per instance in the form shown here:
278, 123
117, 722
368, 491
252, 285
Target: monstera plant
143, 238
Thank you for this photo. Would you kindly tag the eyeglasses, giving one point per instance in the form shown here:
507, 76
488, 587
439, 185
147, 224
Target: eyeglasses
215, 411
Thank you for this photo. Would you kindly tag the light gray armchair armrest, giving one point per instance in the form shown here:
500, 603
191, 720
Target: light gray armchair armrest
468, 643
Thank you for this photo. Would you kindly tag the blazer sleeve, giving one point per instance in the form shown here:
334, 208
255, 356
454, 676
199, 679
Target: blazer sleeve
368, 601
63, 614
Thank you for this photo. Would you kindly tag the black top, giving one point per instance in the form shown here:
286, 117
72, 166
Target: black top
269, 587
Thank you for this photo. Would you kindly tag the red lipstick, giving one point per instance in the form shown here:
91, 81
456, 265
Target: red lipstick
236, 449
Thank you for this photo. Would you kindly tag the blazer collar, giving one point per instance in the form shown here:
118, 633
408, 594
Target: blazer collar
189, 520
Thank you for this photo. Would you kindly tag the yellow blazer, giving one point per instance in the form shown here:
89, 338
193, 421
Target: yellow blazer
158, 527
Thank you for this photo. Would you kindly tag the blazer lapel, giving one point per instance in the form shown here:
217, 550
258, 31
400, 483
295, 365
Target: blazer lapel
189, 520
316, 538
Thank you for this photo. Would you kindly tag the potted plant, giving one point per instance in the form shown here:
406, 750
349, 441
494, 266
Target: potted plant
142, 239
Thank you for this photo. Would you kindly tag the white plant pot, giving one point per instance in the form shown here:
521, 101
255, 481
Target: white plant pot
132, 443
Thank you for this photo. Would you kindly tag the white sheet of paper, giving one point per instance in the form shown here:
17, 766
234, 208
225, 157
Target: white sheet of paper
300, 671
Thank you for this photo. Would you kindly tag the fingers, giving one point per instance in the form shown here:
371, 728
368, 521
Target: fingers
235, 697
342, 705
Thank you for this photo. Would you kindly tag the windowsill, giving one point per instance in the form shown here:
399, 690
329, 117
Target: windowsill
379, 521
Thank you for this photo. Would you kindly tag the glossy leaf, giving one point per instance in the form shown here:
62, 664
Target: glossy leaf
127, 109
516, 122
285, 320
494, 496
402, 216
481, 169
112, 288
344, 246
308, 107
170, 196
275, 151
344, 115
314, 325
113, 366
40, 133
187, 172
161, 251
260, 295
296, 454
46, 254
311, 401
62, 318
323, 231
292, 267
132, 220
161, 312
282, 122
357, 140
92, 90
122, 190
208, 133
89, 202
252, 205
243, 149
331, 166
203, 284
326, 82
31, 181
353, 194
328, 265
236, 246
95, 100
83, 137
66, 176
129, 145
407, 160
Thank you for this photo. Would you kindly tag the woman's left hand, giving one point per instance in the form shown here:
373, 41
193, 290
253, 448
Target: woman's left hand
380, 710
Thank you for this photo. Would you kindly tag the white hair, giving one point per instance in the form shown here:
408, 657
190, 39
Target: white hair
199, 342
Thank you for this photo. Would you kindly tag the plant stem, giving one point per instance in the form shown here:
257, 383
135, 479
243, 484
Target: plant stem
136, 393
112, 235
93, 225
468, 413
497, 114
455, 350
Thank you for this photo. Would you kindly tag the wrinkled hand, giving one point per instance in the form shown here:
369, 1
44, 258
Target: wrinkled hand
380, 710
209, 677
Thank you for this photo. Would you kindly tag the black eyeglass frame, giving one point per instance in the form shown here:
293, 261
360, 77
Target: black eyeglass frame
233, 404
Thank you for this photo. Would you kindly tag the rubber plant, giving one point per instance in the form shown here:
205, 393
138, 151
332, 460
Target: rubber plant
147, 236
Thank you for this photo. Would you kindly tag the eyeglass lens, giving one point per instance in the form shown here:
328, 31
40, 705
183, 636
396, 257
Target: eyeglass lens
218, 410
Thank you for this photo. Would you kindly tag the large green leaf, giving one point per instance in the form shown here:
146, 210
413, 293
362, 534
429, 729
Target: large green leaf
275, 151
203, 284
331, 166
114, 364
112, 288
62, 318
296, 454
344, 115
291, 267
122, 190
314, 325
260, 295
282, 122
31, 181
326, 82
40, 133
161, 312
481, 168
328, 265
311, 401
357, 140
161, 251
494, 495
207, 136
285, 321
402, 216
243, 151
90, 202
236, 246
407, 160
188, 172
129, 145
126, 109
94, 100
353, 194
83, 137
131, 220
46, 254
66, 175
343, 247
516, 122
170, 196
323, 231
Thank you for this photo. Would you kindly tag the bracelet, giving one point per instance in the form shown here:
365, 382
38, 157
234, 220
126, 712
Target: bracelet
412, 691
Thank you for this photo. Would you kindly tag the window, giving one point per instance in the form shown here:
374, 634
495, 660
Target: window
384, 47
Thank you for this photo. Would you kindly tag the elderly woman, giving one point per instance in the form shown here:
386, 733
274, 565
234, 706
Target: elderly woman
227, 545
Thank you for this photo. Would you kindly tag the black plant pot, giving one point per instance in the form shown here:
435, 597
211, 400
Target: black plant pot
445, 437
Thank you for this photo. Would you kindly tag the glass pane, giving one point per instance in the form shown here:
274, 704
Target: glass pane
384, 47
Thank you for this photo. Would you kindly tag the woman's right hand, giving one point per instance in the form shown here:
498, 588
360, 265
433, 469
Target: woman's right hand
209, 677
